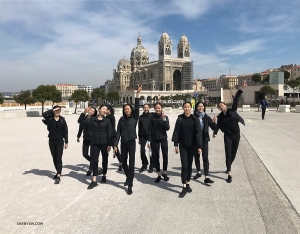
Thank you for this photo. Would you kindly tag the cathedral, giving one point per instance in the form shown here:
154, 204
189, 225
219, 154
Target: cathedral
165, 74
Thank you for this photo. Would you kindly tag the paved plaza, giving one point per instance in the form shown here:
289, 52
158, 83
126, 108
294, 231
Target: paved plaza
264, 196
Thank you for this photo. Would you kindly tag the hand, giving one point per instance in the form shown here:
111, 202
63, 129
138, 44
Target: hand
66, 145
108, 148
244, 85
176, 149
78, 140
215, 118
149, 146
214, 136
57, 108
163, 115
86, 110
199, 151
139, 89
115, 150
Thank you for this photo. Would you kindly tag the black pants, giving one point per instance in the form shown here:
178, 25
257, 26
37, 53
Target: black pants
231, 145
86, 146
204, 158
155, 153
263, 112
143, 142
118, 154
56, 149
186, 157
95, 158
129, 171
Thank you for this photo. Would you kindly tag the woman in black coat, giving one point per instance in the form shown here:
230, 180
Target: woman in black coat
101, 139
126, 130
228, 122
205, 122
110, 114
85, 127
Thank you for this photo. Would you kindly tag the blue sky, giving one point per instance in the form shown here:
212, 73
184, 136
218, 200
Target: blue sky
80, 42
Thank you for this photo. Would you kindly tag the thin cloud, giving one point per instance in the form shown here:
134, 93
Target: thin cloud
242, 48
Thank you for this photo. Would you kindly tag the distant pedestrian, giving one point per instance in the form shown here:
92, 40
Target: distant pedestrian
85, 127
228, 122
264, 105
58, 137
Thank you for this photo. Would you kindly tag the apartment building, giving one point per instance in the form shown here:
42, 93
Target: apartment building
211, 84
198, 86
87, 88
66, 89
295, 72
229, 81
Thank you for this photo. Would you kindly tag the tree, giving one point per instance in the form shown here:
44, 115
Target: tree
142, 98
287, 75
149, 99
1, 98
56, 97
24, 98
43, 93
267, 90
294, 85
113, 96
266, 79
79, 95
98, 94
256, 78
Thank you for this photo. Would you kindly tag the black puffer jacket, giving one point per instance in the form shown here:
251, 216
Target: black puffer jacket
85, 127
127, 125
158, 128
207, 121
101, 131
197, 132
58, 130
113, 125
144, 121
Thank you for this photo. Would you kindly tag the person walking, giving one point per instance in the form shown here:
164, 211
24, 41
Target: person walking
228, 121
143, 132
188, 135
264, 104
85, 127
58, 137
110, 114
126, 130
101, 139
158, 138
205, 122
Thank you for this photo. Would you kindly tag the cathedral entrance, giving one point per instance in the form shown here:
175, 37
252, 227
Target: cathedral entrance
177, 80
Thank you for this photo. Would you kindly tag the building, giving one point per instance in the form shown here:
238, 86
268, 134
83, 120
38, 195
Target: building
247, 77
66, 89
295, 72
165, 74
198, 86
211, 84
229, 82
87, 88
276, 77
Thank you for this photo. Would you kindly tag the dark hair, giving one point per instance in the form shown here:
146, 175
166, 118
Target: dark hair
112, 111
102, 105
146, 104
56, 107
95, 113
200, 102
186, 103
158, 103
132, 110
220, 102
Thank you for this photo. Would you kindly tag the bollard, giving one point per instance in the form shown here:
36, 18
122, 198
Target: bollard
212, 110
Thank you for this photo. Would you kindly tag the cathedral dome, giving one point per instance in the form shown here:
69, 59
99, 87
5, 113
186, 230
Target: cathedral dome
164, 36
124, 61
139, 51
183, 39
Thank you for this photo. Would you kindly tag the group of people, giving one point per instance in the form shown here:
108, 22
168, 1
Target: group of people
190, 137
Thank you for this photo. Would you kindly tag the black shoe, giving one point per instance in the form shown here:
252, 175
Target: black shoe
120, 168
197, 176
100, 172
129, 190
229, 179
103, 180
208, 181
57, 180
126, 182
89, 172
150, 169
166, 178
92, 185
55, 177
143, 168
188, 188
158, 179
183, 193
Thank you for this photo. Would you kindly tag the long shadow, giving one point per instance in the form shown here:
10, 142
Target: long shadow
75, 175
39, 172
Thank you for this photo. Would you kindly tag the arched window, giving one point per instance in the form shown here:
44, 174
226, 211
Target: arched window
186, 52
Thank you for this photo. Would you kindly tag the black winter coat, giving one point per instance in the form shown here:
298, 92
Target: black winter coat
143, 124
101, 131
113, 125
126, 129
197, 132
58, 130
158, 128
85, 127
207, 121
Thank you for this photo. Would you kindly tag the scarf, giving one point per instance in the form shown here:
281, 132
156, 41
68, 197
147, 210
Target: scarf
200, 117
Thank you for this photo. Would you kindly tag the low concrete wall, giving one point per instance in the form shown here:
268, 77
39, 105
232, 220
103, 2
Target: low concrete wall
298, 108
284, 108
246, 108
12, 114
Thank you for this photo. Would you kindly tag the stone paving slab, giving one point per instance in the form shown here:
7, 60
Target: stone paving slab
252, 203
